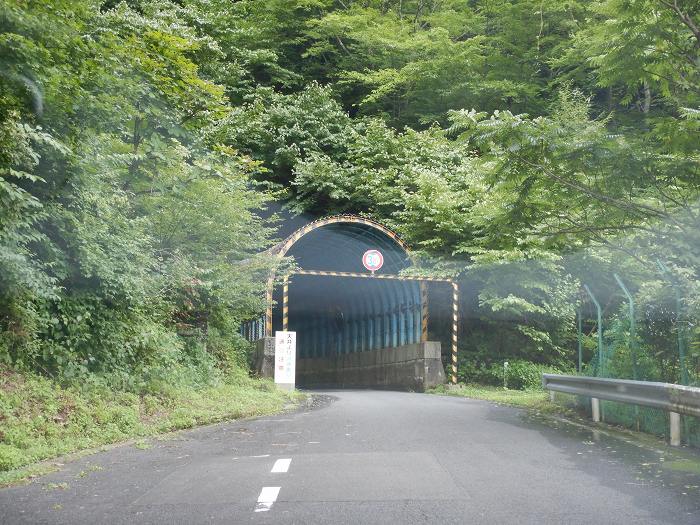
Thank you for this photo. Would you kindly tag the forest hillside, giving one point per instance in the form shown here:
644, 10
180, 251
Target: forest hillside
524, 147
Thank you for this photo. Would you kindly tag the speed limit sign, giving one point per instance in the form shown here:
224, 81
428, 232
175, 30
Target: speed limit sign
373, 260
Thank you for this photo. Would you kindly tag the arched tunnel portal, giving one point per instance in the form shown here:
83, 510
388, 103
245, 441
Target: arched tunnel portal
353, 328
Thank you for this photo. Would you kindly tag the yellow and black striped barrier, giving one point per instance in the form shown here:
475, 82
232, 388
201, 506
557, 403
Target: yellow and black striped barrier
424, 312
455, 326
285, 303
390, 276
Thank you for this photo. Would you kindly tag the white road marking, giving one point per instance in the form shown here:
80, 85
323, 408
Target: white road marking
281, 465
314, 442
261, 456
268, 495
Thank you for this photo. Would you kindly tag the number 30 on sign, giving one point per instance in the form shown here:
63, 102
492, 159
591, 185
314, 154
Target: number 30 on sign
373, 260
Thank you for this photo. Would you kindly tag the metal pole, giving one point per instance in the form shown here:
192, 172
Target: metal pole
600, 329
633, 329
580, 338
679, 319
681, 336
633, 338
285, 303
455, 318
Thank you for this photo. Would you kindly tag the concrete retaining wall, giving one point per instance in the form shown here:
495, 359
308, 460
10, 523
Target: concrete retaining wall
414, 367
264, 357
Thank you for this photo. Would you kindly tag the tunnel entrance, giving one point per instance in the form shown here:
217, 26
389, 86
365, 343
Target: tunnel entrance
342, 315
354, 328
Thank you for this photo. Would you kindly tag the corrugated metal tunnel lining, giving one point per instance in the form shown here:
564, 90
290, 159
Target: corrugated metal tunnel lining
344, 315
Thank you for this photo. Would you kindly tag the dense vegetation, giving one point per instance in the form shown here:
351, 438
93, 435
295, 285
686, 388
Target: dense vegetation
527, 146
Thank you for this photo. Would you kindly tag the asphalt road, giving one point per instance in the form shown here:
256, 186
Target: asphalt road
369, 457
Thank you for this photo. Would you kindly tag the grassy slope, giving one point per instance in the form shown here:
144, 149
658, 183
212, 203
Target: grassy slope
40, 419
534, 399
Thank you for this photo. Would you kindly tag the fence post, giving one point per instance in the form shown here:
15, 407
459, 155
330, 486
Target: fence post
679, 319
600, 329
633, 338
580, 337
633, 330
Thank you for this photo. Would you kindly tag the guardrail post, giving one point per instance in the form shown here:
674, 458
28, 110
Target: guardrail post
674, 429
595, 409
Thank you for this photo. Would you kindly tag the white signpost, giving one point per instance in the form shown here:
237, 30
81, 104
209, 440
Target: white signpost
285, 359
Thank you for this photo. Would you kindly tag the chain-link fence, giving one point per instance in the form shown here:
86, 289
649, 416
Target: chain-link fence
649, 335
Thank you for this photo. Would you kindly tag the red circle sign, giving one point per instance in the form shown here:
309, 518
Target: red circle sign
373, 260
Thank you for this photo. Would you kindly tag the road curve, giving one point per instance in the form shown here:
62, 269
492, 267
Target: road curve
369, 457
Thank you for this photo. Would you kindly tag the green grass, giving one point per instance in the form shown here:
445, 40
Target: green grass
564, 405
40, 420
533, 399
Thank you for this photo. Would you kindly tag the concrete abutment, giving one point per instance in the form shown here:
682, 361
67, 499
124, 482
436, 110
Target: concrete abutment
414, 367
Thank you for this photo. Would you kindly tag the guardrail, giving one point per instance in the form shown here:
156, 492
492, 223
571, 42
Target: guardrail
675, 399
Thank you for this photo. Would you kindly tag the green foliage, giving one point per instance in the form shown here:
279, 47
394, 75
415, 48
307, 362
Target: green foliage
522, 147
518, 375
412, 61
645, 49
119, 243
523, 375
42, 419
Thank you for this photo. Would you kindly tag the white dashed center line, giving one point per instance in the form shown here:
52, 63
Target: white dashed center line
268, 495
281, 465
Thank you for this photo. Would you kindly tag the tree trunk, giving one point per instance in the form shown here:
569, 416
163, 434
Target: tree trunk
647, 98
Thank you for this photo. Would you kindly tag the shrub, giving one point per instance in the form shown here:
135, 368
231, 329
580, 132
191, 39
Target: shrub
524, 375
520, 374
11, 457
